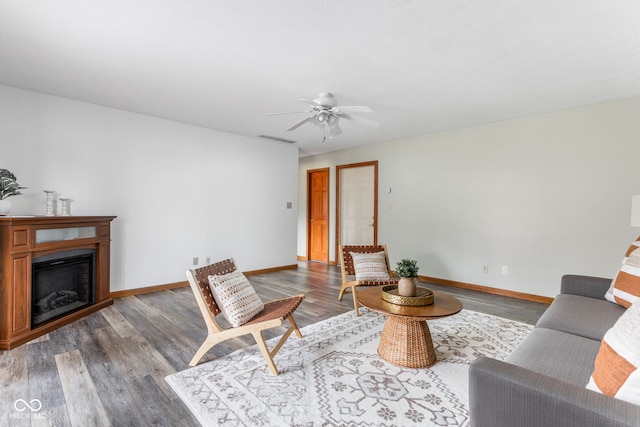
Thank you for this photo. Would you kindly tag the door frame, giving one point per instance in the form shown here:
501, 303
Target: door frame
373, 163
327, 200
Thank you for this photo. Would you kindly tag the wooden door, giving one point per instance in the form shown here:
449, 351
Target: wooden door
357, 204
318, 215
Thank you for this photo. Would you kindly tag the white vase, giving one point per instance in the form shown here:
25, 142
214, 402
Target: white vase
5, 207
65, 207
49, 209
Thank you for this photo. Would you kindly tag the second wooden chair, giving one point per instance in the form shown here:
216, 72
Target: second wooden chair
369, 268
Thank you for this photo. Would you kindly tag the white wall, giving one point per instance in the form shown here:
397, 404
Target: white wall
544, 195
179, 191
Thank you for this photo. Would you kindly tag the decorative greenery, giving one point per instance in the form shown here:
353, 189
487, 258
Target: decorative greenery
407, 268
8, 185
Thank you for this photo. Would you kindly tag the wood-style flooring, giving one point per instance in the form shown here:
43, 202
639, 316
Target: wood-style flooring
109, 367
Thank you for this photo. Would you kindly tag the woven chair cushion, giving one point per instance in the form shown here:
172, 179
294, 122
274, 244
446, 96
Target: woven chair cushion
625, 288
616, 370
370, 267
235, 296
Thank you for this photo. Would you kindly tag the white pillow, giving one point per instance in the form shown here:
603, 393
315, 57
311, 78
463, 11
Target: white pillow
370, 267
235, 297
616, 370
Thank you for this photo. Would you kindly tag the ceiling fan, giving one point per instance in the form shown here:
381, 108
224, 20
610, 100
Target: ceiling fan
325, 112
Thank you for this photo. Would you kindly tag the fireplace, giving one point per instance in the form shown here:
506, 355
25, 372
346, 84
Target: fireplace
53, 270
61, 283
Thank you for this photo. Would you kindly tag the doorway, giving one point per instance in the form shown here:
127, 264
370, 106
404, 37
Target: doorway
357, 204
318, 215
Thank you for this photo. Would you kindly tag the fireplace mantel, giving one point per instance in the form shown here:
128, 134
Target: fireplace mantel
24, 238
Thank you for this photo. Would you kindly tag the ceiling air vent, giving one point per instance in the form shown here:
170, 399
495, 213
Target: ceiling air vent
276, 138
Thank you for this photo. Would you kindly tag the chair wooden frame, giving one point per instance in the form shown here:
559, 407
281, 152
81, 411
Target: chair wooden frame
273, 315
348, 271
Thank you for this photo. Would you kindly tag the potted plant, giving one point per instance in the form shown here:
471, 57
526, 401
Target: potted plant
8, 187
407, 269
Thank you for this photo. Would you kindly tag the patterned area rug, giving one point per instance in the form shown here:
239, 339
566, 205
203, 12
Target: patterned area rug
334, 377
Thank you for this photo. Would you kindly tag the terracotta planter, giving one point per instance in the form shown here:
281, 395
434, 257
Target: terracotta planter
407, 287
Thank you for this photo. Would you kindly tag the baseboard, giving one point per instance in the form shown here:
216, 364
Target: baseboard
304, 258
469, 286
271, 270
168, 286
148, 289
488, 290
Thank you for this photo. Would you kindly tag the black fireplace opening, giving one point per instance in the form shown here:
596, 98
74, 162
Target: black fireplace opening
62, 283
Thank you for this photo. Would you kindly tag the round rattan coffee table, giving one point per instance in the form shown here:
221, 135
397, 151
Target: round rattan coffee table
406, 339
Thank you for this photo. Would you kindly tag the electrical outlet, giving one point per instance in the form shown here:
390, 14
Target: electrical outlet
195, 260
505, 270
208, 260
485, 268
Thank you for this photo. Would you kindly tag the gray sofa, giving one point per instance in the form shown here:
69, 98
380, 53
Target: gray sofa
542, 383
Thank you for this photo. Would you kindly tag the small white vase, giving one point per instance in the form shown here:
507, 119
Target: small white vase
407, 287
5, 207
65, 207
49, 211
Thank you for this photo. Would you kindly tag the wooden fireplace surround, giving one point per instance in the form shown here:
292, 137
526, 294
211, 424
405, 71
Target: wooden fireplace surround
19, 246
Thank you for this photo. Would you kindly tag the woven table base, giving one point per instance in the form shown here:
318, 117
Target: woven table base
407, 342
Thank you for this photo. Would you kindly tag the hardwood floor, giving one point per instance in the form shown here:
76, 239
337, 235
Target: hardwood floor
109, 368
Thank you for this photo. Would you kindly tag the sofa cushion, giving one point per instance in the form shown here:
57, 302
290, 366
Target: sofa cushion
579, 315
616, 370
370, 267
557, 354
625, 288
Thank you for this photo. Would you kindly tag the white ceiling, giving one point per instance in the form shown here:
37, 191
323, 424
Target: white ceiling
423, 66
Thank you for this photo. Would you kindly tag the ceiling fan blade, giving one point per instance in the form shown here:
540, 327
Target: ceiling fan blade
360, 120
288, 112
355, 108
311, 102
301, 122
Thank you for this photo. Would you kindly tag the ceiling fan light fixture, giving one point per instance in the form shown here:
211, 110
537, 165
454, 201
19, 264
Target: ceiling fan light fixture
325, 113
326, 99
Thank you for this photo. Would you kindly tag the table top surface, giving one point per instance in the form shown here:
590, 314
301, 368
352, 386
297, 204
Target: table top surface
443, 305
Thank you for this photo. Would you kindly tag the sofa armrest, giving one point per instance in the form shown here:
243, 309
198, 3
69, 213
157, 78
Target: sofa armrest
502, 394
588, 286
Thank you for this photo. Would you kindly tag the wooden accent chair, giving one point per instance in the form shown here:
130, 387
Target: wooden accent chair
273, 315
349, 272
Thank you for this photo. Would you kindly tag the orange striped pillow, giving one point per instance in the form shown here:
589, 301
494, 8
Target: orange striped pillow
625, 288
616, 370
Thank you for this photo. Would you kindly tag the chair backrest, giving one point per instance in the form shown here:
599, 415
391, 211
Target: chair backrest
199, 281
346, 261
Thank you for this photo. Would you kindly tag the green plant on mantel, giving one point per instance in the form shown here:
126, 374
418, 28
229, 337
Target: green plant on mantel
8, 185
407, 268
